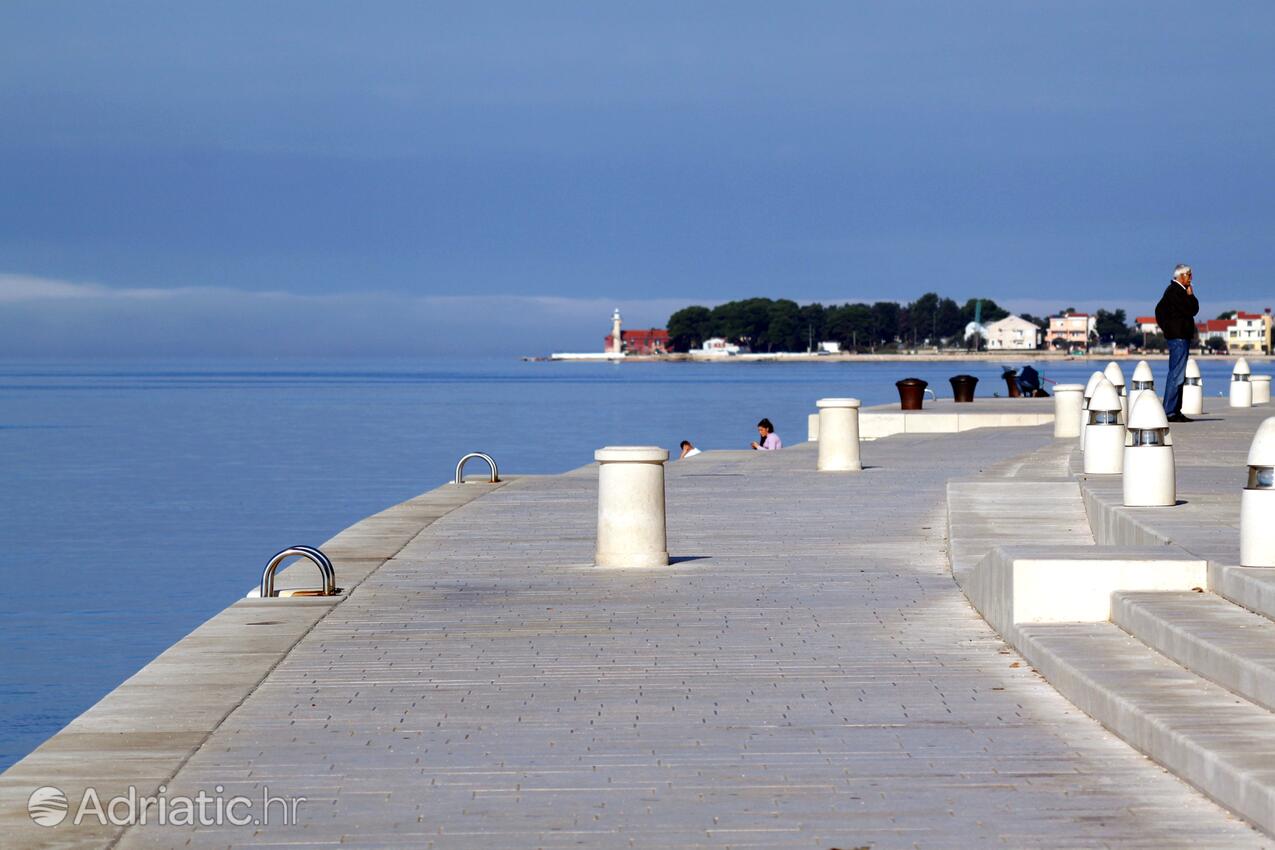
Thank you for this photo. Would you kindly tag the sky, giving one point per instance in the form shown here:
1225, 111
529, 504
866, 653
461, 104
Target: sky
384, 178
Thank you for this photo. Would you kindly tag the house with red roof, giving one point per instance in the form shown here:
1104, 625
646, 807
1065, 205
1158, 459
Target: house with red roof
1250, 332
648, 341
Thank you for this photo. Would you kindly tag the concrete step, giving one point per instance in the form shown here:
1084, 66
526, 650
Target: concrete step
1219, 742
1250, 587
1016, 585
1206, 634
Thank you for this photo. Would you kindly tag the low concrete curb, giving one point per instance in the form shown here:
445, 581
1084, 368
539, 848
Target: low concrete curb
947, 417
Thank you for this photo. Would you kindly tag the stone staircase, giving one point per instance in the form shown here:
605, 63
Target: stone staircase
1161, 641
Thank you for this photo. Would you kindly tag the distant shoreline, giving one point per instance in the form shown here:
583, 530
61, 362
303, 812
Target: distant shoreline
893, 357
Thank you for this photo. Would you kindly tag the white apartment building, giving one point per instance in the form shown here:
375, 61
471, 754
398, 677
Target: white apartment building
1012, 333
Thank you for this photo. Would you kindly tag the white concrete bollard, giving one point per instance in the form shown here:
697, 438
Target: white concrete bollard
1084, 411
1069, 400
631, 529
1261, 388
838, 435
1149, 476
1257, 502
1241, 386
812, 427
1192, 390
1143, 381
1115, 375
1104, 435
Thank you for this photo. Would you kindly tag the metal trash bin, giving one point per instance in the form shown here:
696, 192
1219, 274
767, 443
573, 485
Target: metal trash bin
1011, 382
963, 388
911, 393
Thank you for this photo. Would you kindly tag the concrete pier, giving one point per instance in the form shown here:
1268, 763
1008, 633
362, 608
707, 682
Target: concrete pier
805, 673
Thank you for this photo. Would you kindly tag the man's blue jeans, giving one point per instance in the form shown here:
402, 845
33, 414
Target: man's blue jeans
1179, 349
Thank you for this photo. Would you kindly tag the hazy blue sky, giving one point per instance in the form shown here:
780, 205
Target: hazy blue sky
181, 177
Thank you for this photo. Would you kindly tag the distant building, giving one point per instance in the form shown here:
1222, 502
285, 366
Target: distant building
1244, 332
1073, 328
718, 345
1147, 325
1213, 329
648, 341
1250, 332
1012, 333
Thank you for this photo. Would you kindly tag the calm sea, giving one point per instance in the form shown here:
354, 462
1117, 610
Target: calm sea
138, 499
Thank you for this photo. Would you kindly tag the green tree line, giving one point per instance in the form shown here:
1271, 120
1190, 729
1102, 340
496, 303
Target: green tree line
766, 324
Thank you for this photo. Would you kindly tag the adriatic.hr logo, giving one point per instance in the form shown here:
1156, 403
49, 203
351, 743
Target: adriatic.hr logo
47, 806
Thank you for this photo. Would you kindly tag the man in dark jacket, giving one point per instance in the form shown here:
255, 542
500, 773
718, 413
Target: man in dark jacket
1175, 314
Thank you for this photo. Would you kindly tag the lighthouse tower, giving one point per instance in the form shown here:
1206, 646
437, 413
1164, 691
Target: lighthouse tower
617, 343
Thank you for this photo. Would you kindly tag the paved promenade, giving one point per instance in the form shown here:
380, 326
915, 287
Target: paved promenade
807, 674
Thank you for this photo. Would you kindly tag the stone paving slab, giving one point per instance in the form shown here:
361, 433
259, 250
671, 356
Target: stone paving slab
805, 674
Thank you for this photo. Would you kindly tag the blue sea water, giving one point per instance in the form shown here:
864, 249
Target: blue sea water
138, 499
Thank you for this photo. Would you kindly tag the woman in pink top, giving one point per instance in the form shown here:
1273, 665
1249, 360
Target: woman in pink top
769, 439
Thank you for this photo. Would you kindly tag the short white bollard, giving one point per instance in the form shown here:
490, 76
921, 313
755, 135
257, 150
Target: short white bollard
1192, 390
812, 427
1104, 435
1142, 381
838, 435
1084, 410
1241, 386
631, 530
1069, 401
1261, 388
1115, 375
1149, 476
1257, 502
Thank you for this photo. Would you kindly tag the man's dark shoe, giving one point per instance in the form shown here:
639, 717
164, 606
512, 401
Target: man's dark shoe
1178, 417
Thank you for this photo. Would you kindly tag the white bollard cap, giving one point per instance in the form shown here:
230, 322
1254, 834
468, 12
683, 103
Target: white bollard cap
1105, 398
1241, 367
1147, 413
631, 454
1142, 372
1256, 378
1192, 368
837, 402
1093, 384
1114, 374
1262, 452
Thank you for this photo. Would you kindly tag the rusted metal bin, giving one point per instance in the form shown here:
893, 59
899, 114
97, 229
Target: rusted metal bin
1011, 383
911, 393
963, 388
